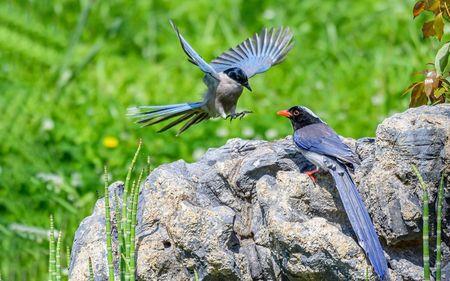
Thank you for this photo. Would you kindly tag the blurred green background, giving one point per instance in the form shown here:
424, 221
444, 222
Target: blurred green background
69, 69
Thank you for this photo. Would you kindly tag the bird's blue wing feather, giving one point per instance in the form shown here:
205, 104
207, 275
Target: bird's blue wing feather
320, 138
258, 53
193, 56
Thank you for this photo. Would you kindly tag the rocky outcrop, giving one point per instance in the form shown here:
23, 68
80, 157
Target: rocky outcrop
245, 211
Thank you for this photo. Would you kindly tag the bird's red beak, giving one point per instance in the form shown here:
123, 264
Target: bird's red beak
284, 113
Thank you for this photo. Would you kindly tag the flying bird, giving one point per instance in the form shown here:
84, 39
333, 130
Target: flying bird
322, 147
225, 77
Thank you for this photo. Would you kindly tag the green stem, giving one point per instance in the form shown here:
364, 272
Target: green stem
108, 231
439, 229
426, 243
134, 206
119, 229
68, 257
91, 270
52, 262
122, 233
58, 257
128, 231
127, 186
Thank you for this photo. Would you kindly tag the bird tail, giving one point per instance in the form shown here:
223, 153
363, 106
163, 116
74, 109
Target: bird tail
150, 115
360, 220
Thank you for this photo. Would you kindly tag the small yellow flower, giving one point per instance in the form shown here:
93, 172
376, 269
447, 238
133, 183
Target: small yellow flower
110, 142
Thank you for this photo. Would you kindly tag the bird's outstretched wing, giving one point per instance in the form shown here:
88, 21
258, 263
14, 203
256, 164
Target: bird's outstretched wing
258, 53
321, 139
193, 57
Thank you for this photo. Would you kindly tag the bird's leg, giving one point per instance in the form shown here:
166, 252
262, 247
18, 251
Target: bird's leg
240, 115
243, 113
232, 114
311, 174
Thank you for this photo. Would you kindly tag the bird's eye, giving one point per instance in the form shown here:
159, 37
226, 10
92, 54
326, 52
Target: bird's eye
296, 112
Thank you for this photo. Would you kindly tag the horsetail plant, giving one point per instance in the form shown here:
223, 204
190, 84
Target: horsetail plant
52, 262
108, 230
124, 215
128, 233
426, 243
68, 257
58, 258
439, 229
54, 267
125, 224
126, 220
91, 270
118, 227
134, 206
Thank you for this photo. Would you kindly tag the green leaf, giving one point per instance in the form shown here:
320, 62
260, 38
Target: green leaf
441, 59
439, 26
433, 6
439, 92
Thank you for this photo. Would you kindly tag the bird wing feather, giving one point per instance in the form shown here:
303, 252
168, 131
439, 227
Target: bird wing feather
320, 138
258, 53
193, 56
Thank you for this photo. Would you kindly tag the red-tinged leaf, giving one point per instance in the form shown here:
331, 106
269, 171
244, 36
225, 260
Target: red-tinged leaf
419, 7
407, 90
439, 26
428, 29
418, 97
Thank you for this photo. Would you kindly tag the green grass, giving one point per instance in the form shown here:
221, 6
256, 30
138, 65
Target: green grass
351, 62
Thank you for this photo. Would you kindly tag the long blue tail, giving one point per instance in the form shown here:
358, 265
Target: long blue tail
192, 113
360, 220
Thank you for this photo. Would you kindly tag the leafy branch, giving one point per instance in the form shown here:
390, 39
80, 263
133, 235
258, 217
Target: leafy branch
434, 88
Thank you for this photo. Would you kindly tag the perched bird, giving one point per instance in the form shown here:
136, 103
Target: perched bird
323, 148
225, 77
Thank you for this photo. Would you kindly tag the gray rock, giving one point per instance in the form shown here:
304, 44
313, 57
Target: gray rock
245, 211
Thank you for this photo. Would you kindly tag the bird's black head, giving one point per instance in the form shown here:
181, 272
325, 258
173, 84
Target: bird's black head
239, 76
300, 116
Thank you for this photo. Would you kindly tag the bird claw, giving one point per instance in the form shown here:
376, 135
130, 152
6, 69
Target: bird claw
239, 115
311, 175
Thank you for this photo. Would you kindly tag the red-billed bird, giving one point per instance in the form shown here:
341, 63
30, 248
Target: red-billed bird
322, 146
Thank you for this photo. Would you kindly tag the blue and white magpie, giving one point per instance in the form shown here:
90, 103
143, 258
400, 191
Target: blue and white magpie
225, 78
